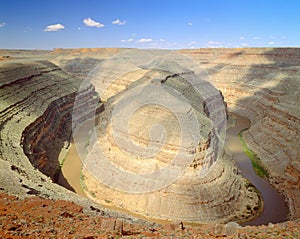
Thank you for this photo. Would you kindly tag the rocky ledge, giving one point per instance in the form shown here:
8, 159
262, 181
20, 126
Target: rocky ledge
263, 85
37, 100
36, 105
221, 195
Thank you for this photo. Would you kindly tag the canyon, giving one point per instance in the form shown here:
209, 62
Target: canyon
38, 93
263, 86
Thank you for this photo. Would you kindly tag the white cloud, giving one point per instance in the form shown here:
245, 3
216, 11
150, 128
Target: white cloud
54, 28
215, 44
191, 44
155, 44
242, 38
118, 22
162, 40
190, 24
244, 44
91, 23
143, 40
2, 24
271, 43
128, 40
256, 38
28, 29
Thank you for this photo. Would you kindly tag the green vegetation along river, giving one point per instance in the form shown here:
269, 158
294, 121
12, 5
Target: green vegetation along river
275, 209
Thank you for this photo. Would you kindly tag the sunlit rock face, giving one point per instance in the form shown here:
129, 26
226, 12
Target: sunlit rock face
262, 84
159, 153
36, 104
37, 100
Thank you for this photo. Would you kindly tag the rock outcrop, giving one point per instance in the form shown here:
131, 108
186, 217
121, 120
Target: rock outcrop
219, 195
263, 85
36, 101
36, 104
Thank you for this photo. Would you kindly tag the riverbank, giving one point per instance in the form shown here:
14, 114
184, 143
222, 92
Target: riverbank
256, 162
271, 198
72, 165
71, 171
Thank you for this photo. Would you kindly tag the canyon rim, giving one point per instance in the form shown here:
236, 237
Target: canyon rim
40, 88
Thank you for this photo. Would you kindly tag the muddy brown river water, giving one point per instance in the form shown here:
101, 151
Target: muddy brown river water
274, 211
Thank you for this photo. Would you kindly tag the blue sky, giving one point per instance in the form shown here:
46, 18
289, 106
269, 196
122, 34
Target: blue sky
45, 24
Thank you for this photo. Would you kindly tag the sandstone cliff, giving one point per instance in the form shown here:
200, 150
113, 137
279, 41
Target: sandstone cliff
263, 85
220, 195
36, 99
36, 103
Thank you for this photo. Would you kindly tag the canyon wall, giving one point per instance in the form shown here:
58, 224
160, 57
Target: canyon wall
220, 195
264, 86
36, 98
36, 106
261, 84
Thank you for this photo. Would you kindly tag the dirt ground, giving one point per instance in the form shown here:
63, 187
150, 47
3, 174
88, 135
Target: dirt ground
35, 217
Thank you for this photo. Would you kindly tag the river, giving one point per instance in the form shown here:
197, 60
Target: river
274, 211
69, 176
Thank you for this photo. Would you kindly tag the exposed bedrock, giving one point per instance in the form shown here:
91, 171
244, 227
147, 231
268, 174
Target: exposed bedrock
261, 84
80, 62
45, 138
264, 86
220, 195
37, 100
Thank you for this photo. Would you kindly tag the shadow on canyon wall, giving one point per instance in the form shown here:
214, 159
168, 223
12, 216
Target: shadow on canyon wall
273, 105
80, 66
271, 94
271, 89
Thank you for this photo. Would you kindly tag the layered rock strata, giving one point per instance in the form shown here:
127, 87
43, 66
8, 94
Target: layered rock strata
220, 195
263, 85
36, 103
